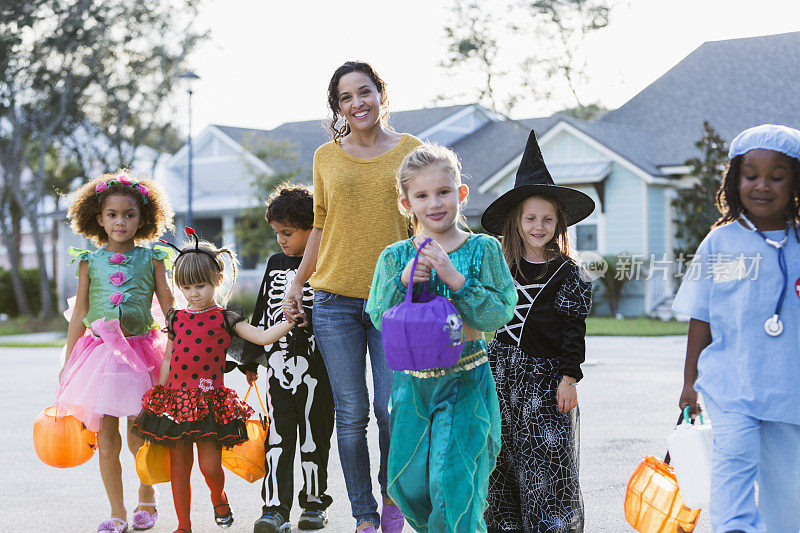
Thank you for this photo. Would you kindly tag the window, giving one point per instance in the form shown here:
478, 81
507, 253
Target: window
586, 237
209, 229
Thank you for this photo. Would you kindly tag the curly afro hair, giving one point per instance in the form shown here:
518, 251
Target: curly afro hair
292, 205
87, 204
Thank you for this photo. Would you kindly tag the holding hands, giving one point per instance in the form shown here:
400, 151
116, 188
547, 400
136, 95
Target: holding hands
293, 306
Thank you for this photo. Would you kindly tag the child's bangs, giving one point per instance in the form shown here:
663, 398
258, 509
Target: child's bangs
193, 268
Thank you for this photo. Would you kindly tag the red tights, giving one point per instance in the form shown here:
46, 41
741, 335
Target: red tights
209, 457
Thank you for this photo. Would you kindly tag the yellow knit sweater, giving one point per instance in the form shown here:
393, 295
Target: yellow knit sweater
355, 205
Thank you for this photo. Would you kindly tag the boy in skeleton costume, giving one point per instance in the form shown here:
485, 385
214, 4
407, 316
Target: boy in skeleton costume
299, 397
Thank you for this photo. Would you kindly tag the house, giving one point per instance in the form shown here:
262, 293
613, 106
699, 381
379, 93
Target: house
631, 161
224, 163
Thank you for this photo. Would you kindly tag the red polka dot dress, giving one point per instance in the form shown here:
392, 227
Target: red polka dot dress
195, 404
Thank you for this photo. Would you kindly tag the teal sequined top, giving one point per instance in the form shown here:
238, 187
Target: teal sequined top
486, 301
121, 286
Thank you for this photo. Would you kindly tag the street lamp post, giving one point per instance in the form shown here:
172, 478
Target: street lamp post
189, 77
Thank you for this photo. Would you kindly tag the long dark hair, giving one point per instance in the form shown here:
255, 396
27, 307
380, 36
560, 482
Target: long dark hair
333, 95
729, 202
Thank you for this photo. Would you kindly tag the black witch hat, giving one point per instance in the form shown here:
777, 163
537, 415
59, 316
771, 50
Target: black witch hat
533, 179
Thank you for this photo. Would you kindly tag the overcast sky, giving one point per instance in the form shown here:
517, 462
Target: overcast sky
269, 62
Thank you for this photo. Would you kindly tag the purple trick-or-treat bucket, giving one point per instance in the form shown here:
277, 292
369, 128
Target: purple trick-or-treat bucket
423, 332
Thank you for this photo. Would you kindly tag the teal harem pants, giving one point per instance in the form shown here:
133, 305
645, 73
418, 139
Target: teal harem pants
445, 438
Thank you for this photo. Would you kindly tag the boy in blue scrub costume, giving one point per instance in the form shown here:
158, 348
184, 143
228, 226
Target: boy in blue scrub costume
743, 348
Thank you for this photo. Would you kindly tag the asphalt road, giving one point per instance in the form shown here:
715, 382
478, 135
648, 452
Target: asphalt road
627, 399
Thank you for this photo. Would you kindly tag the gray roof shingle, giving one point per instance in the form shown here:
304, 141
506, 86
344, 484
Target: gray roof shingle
306, 136
483, 153
734, 84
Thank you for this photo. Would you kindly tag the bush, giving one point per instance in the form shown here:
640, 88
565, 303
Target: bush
30, 282
247, 300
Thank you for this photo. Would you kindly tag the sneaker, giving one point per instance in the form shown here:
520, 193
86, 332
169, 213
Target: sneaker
313, 519
392, 519
272, 522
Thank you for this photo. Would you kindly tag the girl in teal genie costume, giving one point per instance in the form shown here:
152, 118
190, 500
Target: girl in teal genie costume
444, 423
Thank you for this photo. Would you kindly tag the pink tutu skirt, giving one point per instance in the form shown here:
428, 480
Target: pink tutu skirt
108, 373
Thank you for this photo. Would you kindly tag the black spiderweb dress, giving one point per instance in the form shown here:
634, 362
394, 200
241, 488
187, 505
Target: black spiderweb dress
534, 487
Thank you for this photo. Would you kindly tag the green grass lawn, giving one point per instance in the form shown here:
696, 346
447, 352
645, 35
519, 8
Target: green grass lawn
634, 327
51, 344
628, 327
27, 324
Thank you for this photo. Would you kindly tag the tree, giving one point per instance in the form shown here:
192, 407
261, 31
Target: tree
253, 235
81, 76
10, 226
585, 112
615, 279
519, 44
695, 207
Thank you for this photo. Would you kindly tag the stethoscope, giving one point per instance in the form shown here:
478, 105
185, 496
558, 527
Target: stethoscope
774, 326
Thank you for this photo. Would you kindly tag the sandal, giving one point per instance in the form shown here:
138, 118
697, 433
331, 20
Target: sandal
224, 520
113, 525
142, 519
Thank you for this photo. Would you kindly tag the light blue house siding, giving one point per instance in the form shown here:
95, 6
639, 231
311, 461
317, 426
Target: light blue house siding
657, 220
565, 148
624, 195
625, 228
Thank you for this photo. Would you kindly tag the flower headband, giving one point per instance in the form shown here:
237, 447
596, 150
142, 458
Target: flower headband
196, 249
122, 179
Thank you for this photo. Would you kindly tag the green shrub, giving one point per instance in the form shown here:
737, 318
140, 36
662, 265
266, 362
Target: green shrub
30, 282
247, 300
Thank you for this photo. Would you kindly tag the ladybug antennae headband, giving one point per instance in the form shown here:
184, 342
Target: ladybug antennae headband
196, 249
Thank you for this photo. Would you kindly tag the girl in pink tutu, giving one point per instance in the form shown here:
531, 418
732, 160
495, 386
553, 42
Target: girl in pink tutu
191, 404
109, 366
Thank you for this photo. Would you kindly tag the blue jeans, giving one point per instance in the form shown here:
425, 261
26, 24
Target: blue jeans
343, 331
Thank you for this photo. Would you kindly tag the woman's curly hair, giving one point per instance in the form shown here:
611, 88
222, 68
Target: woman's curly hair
87, 204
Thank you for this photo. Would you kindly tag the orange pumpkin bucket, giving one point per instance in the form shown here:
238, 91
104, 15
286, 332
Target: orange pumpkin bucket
247, 459
62, 441
152, 463
653, 503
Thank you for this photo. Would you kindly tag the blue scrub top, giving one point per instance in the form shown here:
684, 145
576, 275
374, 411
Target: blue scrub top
734, 283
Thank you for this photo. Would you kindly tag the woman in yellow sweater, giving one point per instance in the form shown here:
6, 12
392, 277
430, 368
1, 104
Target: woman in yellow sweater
355, 218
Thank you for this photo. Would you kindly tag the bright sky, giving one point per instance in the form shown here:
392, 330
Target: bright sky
269, 62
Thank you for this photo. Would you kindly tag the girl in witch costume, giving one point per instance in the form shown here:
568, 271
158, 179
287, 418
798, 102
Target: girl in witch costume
114, 347
536, 357
190, 404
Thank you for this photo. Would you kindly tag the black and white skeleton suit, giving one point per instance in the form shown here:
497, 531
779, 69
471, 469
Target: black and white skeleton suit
299, 398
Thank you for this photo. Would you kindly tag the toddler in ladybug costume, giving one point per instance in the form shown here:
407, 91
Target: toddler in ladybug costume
191, 404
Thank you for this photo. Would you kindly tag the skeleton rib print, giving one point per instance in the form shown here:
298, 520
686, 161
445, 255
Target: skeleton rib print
279, 283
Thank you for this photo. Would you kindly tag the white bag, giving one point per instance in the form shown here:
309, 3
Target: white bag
690, 448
